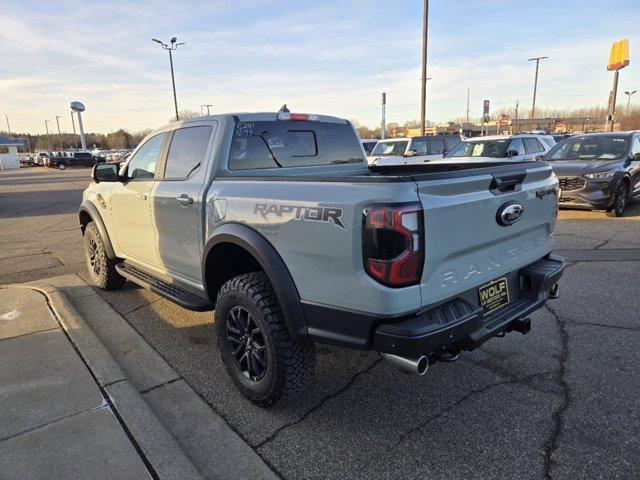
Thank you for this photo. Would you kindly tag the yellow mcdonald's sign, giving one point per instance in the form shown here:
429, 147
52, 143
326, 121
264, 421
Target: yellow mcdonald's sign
619, 56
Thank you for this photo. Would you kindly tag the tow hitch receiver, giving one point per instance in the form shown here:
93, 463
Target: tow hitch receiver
522, 325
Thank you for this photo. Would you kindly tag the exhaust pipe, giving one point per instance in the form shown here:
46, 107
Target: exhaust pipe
418, 365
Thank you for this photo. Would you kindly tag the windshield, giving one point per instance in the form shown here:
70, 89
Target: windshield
480, 148
605, 147
390, 148
368, 147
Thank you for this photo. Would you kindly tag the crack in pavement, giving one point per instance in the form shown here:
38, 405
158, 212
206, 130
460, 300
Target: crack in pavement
463, 399
558, 416
606, 242
322, 402
138, 307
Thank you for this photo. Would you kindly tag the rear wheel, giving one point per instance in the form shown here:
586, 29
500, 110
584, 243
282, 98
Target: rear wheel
619, 201
62, 166
262, 359
101, 268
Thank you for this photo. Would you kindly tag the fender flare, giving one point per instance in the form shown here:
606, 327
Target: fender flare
272, 264
91, 210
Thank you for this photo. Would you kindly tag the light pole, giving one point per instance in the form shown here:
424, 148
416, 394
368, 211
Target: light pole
535, 87
206, 105
628, 94
8, 126
73, 124
170, 49
59, 134
46, 126
423, 98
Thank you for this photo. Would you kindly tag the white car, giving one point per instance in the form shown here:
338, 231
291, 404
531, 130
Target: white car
503, 148
412, 150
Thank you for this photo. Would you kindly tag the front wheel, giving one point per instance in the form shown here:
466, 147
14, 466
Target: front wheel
262, 359
62, 166
102, 269
619, 201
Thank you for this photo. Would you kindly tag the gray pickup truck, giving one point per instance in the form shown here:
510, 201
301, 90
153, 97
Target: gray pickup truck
275, 221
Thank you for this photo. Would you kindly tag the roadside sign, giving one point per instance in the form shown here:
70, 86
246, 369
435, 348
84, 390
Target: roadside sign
485, 110
619, 56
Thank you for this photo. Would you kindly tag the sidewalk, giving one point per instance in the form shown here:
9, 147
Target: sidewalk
59, 414
83, 395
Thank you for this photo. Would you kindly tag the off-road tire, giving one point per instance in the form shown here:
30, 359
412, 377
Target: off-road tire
619, 201
62, 166
289, 363
102, 269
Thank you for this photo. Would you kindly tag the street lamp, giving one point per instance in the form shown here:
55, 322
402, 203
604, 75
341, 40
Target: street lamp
170, 49
535, 87
59, 134
628, 94
206, 105
423, 99
46, 126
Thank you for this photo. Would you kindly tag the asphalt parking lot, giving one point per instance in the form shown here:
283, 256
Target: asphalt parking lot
561, 402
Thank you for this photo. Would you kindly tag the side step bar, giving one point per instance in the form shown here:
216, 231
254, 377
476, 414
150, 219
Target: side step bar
170, 291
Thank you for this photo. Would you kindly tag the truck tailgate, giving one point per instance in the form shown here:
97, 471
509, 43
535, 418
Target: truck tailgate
466, 246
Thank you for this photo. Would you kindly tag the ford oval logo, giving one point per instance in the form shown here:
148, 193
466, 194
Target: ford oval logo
509, 213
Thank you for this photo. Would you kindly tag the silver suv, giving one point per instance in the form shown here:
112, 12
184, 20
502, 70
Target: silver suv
513, 148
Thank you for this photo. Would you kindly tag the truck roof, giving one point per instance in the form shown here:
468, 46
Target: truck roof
258, 117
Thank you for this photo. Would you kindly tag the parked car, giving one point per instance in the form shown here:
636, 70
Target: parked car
368, 144
277, 222
74, 159
40, 157
564, 136
412, 150
498, 148
598, 170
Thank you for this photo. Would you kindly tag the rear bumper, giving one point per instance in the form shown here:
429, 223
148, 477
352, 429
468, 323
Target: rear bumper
457, 324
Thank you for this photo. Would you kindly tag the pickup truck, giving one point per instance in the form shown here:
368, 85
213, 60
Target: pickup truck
276, 222
74, 159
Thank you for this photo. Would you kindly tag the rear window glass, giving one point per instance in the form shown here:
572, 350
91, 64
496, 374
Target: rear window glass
187, 151
273, 144
532, 145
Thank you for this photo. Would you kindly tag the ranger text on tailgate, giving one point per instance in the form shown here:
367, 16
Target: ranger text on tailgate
276, 221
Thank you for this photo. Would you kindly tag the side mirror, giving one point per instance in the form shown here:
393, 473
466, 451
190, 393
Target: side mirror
410, 153
539, 157
635, 156
512, 153
105, 172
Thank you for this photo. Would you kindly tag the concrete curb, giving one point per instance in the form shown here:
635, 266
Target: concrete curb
161, 453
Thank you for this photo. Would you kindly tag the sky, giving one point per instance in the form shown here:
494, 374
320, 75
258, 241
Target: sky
330, 57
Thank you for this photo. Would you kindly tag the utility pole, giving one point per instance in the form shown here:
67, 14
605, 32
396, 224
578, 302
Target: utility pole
383, 126
206, 105
59, 134
468, 97
174, 46
9, 126
627, 93
517, 105
423, 101
73, 124
535, 88
46, 126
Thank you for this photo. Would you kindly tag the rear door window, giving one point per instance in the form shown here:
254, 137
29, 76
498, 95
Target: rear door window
532, 145
187, 151
273, 144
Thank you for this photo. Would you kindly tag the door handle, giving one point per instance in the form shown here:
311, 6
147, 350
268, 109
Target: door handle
184, 199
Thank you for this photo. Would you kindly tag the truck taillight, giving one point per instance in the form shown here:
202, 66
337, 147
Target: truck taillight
393, 243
